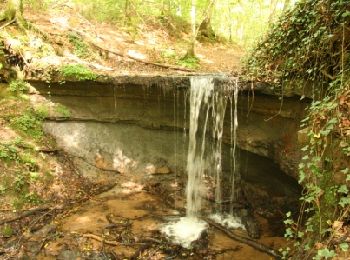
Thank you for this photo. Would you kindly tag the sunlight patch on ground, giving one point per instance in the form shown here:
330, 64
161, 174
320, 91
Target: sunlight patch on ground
131, 187
62, 21
136, 54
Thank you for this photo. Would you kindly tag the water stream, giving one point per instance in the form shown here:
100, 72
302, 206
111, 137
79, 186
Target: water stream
204, 162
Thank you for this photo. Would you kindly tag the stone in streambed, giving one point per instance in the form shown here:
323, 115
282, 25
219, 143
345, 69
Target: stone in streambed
154, 170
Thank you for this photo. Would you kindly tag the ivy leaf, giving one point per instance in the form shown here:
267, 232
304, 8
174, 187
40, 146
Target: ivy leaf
343, 189
333, 121
345, 171
326, 253
344, 201
324, 132
302, 176
344, 246
345, 14
305, 148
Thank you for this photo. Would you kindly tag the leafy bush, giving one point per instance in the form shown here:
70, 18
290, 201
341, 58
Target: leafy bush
189, 62
8, 152
81, 49
310, 44
7, 231
78, 72
30, 123
306, 43
62, 110
19, 87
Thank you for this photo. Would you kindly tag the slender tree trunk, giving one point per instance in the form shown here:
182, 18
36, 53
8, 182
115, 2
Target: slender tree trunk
191, 50
205, 27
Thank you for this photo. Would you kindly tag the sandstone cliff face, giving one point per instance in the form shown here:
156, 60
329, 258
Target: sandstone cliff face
135, 124
268, 126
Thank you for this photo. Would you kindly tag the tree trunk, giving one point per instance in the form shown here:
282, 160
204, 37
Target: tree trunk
207, 15
205, 28
191, 50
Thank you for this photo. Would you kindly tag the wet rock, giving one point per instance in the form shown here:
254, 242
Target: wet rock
68, 255
150, 169
162, 170
159, 167
251, 226
98, 255
202, 243
45, 231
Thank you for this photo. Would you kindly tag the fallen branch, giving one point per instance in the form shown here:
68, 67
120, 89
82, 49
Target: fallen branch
167, 66
100, 239
8, 23
246, 240
24, 214
48, 150
93, 165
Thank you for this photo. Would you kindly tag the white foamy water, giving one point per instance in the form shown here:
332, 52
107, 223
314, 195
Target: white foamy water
185, 231
227, 221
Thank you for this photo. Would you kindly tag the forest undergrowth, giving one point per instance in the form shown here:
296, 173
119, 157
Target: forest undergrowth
307, 52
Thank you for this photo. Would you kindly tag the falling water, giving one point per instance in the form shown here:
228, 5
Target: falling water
234, 125
201, 92
206, 121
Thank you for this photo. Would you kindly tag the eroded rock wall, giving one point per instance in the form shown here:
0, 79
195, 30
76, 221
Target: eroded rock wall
268, 126
140, 126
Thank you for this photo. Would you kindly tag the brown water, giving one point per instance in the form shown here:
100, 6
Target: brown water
132, 217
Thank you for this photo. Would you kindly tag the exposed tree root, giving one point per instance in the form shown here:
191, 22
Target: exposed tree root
102, 240
95, 166
25, 214
246, 240
8, 23
162, 65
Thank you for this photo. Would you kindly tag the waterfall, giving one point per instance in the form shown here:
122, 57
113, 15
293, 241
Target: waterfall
234, 125
207, 111
204, 159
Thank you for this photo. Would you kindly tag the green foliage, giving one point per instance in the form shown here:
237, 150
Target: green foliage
306, 43
30, 123
309, 44
8, 152
26, 198
2, 189
81, 49
189, 62
62, 110
78, 72
37, 4
19, 87
7, 231
237, 21
21, 188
